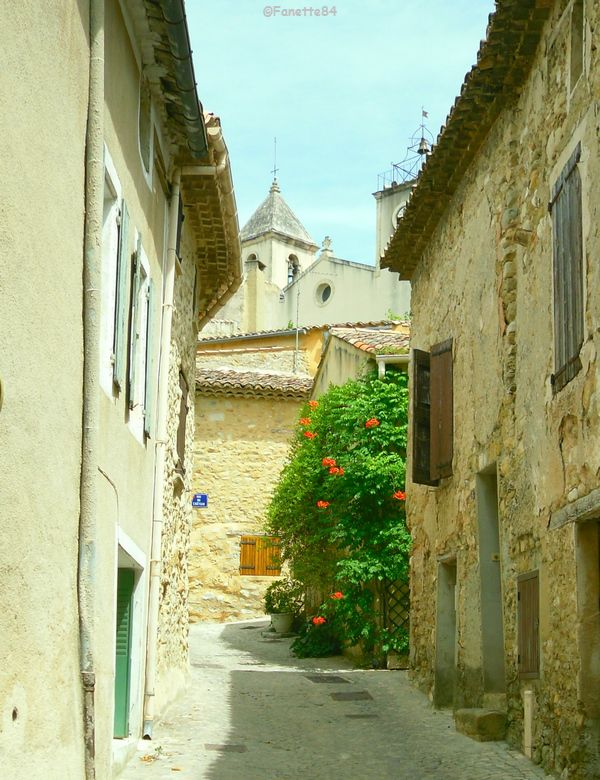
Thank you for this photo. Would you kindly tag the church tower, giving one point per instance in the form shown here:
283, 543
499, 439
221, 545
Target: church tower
275, 239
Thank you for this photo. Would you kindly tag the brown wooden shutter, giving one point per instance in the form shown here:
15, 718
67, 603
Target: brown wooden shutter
568, 272
259, 556
528, 607
421, 472
442, 410
248, 555
183, 409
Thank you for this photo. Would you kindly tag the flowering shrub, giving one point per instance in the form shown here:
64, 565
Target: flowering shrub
361, 542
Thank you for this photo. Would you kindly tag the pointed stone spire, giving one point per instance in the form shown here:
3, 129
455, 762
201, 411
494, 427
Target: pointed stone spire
275, 216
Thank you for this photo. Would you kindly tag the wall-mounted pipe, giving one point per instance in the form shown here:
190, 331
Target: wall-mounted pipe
88, 487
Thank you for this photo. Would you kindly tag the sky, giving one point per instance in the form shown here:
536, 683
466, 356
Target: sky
342, 93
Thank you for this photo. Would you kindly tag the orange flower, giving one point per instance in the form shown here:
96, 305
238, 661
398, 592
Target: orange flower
334, 470
322, 504
310, 434
313, 404
337, 595
372, 423
328, 462
304, 421
400, 495
341, 472
318, 621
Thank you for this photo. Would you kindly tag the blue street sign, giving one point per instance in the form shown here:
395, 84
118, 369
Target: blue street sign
200, 500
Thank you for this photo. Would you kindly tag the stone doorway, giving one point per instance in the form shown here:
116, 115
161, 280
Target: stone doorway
445, 644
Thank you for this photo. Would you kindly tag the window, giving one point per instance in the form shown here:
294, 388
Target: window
433, 413
528, 624
577, 23
323, 293
145, 124
140, 365
180, 220
259, 556
183, 410
293, 268
565, 207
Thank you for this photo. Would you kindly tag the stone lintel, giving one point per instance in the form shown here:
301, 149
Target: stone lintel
580, 510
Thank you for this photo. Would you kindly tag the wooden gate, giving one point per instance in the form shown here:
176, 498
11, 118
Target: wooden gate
396, 607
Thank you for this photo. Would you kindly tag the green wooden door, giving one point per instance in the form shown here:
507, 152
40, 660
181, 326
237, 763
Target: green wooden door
123, 651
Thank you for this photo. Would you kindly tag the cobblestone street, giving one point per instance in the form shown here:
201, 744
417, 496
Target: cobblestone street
255, 712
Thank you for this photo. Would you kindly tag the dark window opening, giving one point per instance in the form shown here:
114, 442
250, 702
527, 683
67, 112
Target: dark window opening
183, 410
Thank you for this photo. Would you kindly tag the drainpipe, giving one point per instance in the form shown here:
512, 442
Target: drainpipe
88, 495
160, 445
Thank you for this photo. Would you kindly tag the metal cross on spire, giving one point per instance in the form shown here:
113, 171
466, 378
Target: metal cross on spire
275, 168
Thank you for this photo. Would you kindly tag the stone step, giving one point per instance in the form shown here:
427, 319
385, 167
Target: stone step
482, 725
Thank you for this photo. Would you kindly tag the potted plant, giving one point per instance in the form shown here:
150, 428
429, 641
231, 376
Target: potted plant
284, 600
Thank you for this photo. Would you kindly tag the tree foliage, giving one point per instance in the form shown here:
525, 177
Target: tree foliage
339, 509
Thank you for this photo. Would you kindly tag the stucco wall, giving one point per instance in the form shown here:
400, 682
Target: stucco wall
43, 107
341, 362
486, 281
241, 445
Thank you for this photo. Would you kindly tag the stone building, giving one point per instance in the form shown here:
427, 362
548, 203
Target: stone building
104, 290
499, 241
249, 390
287, 280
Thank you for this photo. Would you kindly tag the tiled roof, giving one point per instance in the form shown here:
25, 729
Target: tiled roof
275, 215
302, 329
377, 342
227, 381
503, 63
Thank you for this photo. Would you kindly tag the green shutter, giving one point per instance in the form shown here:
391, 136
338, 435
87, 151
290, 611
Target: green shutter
122, 283
149, 394
125, 582
134, 320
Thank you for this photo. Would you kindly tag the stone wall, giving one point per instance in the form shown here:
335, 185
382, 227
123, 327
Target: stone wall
173, 663
485, 279
241, 445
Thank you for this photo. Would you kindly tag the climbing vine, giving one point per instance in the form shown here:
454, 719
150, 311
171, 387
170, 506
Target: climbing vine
339, 510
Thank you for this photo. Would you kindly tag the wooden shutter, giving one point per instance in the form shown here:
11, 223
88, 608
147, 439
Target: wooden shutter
528, 606
122, 288
125, 581
248, 555
421, 471
149, 394
259, 556
568, 272
442, 410
183, 409
136, 273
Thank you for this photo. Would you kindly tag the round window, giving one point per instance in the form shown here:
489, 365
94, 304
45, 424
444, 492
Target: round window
323, 292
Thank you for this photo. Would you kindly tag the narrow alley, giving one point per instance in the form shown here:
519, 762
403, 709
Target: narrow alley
253, 711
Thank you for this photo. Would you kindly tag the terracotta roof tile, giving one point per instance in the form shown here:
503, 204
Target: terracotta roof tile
376, 342
228, 381
302, 328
